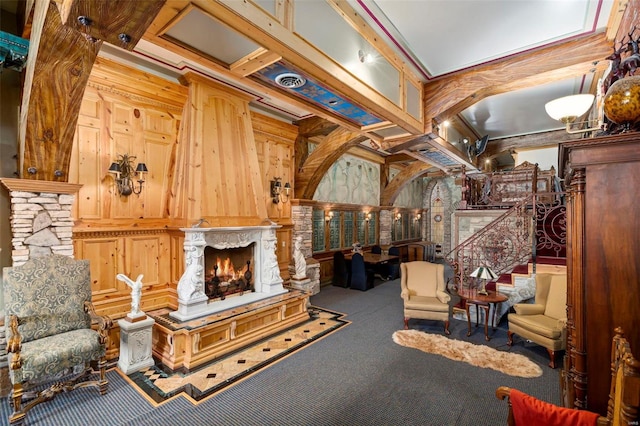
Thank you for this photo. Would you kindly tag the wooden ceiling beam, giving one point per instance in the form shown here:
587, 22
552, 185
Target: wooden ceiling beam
574, 57
251, 21
59, 65
254, 62
308, 177
406, 175
119, 22
537, 140
398, 158
315, 126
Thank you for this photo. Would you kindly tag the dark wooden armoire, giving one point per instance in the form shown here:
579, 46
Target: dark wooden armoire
602, 177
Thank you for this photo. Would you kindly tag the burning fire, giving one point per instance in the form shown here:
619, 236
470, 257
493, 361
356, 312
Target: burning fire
226, 271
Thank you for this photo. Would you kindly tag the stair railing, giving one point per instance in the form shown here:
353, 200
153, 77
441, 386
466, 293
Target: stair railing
504, 243
536, 224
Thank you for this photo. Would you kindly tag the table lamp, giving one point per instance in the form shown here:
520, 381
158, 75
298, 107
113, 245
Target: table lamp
485, 274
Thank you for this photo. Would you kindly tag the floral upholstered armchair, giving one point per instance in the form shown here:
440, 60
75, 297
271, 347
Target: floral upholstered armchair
48, 327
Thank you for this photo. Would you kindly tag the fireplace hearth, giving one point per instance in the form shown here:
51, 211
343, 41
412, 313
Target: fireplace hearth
258, 243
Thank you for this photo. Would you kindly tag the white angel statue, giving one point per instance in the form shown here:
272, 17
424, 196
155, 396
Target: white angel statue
136, 292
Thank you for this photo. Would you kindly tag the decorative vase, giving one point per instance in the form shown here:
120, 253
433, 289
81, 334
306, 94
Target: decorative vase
622, 101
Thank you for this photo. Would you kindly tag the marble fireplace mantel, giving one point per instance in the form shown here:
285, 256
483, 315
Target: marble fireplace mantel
192, 300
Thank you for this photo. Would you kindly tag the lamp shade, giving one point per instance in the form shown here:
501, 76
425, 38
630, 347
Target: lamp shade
114, 168
569, 108
142, 167
484, 273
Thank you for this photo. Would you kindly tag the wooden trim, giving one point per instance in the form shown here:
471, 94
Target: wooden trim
28, 185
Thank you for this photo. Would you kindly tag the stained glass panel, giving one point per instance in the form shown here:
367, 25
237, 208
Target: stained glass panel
347, 229
372, 228
360, 226
334, 232
318, 230
405, 226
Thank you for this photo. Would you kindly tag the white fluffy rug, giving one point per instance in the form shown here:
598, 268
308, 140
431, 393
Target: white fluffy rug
477, 355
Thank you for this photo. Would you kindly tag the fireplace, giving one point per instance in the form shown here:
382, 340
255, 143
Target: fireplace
255, 244
228, 272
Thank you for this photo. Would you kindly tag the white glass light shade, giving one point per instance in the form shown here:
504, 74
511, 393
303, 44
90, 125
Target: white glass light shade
484, 273
568, 108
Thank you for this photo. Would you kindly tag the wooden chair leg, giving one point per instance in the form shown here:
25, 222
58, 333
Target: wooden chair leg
18, 415
510, 338
406, 323
446, 328
552, 355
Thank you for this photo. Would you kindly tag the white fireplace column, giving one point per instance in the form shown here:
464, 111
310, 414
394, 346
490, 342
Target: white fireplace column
267, 282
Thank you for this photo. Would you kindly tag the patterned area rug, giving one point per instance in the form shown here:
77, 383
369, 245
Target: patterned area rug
158, 384
477, 355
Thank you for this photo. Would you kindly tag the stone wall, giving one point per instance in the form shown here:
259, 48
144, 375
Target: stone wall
466, 223
41, 225
302, 217
386, 220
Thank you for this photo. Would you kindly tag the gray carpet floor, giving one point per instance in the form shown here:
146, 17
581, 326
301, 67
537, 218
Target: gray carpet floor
356, 376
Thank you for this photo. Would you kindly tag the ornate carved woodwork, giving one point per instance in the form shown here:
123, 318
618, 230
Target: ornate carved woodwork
602, 260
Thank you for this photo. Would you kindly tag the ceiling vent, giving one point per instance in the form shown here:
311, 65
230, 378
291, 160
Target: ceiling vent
290, 80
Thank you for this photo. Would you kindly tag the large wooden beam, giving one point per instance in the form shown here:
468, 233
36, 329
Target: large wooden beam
569, 59
537, 140
58, 68
391, 191
328, 152
60, 61
119, 22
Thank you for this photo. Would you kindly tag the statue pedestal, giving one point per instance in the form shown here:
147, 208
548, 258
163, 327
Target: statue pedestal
310, 283
135, 343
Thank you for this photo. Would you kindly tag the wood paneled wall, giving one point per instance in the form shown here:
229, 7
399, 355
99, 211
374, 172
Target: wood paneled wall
213, 160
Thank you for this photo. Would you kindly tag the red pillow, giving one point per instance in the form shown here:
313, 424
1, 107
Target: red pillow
528, 410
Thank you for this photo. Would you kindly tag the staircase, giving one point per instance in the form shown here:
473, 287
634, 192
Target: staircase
528, 238
549, 247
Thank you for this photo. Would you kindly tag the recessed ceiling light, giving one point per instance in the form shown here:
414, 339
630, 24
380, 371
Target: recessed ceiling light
333, 102
365, 58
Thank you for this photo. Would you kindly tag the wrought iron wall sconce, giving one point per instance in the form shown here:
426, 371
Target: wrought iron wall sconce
278, 192
417, 217
328, 216
125, 172
398, 217
367, 217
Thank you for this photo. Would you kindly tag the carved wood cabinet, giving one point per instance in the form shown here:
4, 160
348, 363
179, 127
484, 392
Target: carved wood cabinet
602, 177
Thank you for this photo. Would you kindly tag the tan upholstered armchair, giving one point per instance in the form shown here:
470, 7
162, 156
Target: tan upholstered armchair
545, 321
424, 292
48, 327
